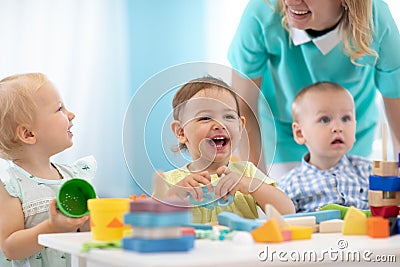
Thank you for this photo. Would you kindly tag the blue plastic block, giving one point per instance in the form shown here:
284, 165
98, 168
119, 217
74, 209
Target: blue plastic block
398, 222
199, 226
320, 216
237, 223
184, 243
210, 201
150, 220
387, 183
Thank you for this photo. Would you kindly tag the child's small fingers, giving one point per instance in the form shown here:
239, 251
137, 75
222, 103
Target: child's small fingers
225, 188
221, 170
200, 195
206, 175
53, 206
218, 188
202, 180
210, 187
227, 171
194, 183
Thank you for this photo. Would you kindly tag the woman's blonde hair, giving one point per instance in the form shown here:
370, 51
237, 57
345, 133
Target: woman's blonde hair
17, 107
357, 27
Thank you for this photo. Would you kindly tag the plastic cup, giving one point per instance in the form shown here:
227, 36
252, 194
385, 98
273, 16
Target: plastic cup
106, 218
72, 197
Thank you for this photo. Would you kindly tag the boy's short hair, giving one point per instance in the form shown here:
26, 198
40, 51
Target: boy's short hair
17, 107
189, 89
318, 86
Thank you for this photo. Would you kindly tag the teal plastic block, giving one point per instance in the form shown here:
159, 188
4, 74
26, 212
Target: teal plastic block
320, 216
150, 220
237, 223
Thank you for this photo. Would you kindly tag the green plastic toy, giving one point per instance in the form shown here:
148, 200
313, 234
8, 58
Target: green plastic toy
343, 210
72, 197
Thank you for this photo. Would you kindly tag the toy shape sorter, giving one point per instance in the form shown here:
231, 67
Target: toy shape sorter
384, 191
158, 226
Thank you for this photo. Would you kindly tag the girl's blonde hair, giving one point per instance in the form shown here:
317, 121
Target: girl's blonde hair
17, 107
357, 27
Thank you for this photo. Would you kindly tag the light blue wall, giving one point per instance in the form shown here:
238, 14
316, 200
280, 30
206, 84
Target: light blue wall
162, 34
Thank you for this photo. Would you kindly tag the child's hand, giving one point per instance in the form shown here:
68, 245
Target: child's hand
230, 182
191, 184
59, 223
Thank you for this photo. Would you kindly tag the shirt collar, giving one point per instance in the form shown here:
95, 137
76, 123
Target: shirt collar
324, 43
343, 162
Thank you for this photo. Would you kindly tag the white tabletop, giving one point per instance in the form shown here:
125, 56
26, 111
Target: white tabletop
335, 249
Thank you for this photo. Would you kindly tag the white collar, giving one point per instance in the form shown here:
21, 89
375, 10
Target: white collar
324, 43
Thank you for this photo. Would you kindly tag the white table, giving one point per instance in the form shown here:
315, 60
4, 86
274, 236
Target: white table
229, 253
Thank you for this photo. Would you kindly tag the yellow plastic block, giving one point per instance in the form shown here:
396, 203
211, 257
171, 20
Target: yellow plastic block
355, 222
268, 232
300, 232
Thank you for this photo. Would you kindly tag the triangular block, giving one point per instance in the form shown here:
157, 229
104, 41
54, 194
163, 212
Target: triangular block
355, 222
115, 223
273, 213
268, 232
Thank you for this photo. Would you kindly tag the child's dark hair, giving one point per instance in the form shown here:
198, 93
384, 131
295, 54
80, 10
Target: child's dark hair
189, 89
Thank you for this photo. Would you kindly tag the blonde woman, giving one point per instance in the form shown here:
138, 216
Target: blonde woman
282, 46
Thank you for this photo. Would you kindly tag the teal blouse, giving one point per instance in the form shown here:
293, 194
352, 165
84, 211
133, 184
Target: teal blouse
261, 47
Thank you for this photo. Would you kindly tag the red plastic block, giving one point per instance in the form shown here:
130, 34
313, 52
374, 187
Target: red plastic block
385, 211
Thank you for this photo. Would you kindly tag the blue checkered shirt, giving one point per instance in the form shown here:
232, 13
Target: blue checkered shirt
344, 184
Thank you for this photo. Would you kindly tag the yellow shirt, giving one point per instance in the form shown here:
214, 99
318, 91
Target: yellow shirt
243, 205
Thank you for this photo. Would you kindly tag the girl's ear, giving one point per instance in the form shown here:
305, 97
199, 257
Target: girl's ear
298, 134
178, 131
25, 135
242, 123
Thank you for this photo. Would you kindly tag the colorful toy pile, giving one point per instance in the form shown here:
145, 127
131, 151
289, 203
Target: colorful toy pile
384, 198
382, 220
157, 226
